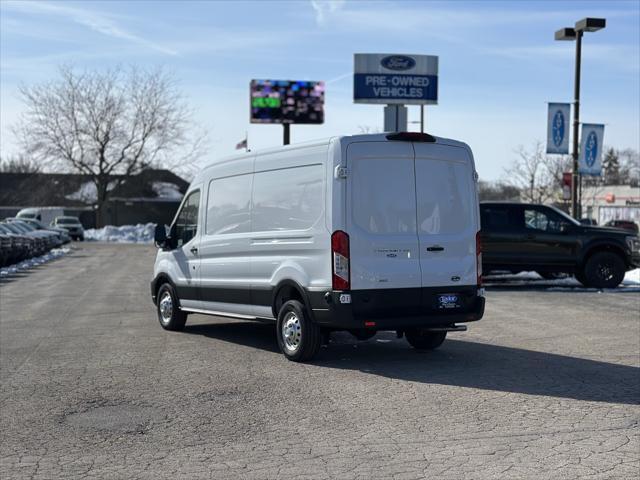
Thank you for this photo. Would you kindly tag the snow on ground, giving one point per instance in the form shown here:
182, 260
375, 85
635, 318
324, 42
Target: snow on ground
631, 282
140, 233
32, 262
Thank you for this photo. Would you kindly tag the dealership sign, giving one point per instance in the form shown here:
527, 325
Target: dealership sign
395, 79
591, 149
558, 128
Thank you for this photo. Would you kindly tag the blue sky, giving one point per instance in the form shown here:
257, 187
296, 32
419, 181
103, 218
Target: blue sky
498, 65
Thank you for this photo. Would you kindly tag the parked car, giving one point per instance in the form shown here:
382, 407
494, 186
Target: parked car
522, 237
70, 224
62, 233
7, 249
25, 246
42, 214
363, 233
49, 239
624, 225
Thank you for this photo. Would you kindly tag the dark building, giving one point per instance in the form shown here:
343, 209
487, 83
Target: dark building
151, 196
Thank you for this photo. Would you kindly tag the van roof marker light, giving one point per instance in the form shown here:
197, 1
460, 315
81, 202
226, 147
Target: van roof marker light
411, 137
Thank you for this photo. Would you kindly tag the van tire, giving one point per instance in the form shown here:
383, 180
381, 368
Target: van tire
299, 338
604, 270
423, 339
168, 308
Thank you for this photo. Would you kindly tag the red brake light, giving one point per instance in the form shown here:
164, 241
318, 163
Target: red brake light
479, 258
340, 261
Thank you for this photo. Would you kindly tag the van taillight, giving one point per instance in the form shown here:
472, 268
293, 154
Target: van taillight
479, 258
340, 265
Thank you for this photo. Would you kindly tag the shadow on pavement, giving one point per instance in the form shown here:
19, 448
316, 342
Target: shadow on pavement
457, 363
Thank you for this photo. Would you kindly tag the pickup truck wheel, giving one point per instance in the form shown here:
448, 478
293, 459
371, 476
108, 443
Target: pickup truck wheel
604, 270
299, 338
422, 339
169, 314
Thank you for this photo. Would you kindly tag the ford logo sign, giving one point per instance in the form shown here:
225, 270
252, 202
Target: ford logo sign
591, 149
398, 62
558, 129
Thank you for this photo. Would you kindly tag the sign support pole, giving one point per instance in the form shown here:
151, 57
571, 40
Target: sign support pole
286, 133
575, 208
421, 118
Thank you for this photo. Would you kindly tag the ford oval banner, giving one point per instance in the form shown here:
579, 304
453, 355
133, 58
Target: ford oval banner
395, 79
589, 162
558, 128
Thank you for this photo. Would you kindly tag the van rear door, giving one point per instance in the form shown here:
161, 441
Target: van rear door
381, 219
447, 214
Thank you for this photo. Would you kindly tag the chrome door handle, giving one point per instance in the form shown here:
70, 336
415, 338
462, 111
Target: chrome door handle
194, 250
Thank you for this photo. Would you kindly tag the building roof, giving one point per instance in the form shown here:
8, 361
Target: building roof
74, 190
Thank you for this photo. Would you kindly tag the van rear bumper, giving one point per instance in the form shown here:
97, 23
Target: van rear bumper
393, 309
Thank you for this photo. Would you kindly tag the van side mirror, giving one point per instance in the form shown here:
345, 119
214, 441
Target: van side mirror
160, 236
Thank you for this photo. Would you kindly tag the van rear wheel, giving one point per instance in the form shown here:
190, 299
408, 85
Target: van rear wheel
169, 314
299, 338
424, 339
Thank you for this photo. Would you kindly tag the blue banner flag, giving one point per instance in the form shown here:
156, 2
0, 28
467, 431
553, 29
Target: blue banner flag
558, 128
590, 160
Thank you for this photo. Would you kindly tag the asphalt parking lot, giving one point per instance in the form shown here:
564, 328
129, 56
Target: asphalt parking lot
547, 385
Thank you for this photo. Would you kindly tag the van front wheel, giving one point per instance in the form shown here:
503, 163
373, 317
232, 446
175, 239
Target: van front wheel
169, 314
299, 338
423, 339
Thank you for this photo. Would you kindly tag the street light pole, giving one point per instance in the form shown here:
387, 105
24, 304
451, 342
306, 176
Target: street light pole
575, 178
581, 26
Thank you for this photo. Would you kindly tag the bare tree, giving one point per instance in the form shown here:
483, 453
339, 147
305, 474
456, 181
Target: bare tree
629, 166
530, 174
18, 164
106, 123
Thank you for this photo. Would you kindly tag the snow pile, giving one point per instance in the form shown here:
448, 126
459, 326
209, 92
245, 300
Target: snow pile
140, 233
167, 190
33, 262
631, 282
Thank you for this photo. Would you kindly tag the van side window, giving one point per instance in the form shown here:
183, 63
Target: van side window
187, 220
287, 199
228, 205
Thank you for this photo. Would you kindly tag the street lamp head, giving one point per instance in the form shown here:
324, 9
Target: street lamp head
565, 34
590, 24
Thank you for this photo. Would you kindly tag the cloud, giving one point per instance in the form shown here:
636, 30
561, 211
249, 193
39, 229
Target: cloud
324, 8
95, 21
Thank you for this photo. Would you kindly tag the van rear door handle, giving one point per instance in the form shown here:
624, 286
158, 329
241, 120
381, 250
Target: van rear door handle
435, 248
194, 250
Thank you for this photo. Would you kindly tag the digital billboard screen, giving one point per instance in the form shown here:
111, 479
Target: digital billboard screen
287, 101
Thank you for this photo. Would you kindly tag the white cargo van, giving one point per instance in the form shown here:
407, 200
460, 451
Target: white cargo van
46, 215
361, 233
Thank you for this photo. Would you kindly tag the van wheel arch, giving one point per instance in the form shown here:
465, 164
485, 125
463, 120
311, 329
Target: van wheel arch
159, 281
285, 291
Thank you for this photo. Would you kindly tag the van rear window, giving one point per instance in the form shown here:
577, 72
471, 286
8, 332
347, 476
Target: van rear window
445, 196
383, 195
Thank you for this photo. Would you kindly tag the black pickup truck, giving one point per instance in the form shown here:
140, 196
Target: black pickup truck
522, 237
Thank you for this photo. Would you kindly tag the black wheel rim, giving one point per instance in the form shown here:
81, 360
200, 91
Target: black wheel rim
604, 271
